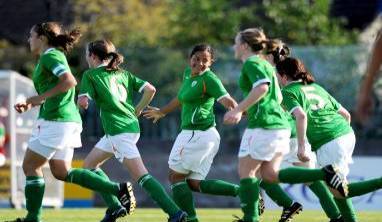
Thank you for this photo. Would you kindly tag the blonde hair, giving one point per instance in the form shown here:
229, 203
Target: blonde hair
255, 38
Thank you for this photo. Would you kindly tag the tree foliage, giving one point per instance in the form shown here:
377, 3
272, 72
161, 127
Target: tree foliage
300, 22
126, 22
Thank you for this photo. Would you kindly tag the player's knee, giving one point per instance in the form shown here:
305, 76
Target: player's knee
270, 176
29, 169
176, 177
194, 185
59, 172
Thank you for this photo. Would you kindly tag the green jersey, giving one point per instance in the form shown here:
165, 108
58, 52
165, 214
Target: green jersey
324, 121
61, 107
267, 112
112, 92
197, 95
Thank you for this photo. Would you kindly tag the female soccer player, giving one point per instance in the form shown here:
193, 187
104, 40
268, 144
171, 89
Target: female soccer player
58, 128
198, 142
276, 52
112, 90
326, 124
266, 138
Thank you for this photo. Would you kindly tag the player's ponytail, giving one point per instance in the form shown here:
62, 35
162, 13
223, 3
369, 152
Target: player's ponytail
294, 70
116, 60
57, 36
255, 38
278, 49
105, 50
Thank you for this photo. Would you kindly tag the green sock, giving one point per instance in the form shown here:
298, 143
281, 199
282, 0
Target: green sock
219, 187
249, 198
111, 201
294, 175
88, 179
346, 209
34, 192
158, 194
326, 199
182, 195
363, 187
277, 194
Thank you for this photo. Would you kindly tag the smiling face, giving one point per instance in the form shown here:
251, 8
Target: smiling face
200, 61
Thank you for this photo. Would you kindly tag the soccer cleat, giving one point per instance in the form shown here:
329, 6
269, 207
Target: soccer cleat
126, 197
340, 219
261, 205
113, 216
288, 213
180, 216
22, 220
334, 180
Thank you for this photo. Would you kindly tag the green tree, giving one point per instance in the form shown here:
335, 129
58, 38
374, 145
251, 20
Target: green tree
195, 21
300, 22
125, 22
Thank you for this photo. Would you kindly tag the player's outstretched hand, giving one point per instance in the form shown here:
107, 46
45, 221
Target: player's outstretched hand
153, 113
22, 107
232, 117
301, 154
83, 102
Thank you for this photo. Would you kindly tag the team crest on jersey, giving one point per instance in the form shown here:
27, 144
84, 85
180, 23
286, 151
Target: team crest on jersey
193, 83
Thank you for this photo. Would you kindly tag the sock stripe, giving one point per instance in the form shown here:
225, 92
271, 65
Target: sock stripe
35, 181
177, 184
143, 179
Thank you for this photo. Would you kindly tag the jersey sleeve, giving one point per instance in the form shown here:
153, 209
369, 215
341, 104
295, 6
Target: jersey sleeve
137, 83
290, 101
256, 74
55, 64
215, 88
87, 88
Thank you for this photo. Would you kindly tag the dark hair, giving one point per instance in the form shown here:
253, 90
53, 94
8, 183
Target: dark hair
255, 38
57, 37
201, 48
104, 50
294, 69
278, 49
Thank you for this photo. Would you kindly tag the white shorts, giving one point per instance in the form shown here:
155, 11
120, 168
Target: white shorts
55, 140
263, 144
122, 145
193, 152
291, 157
338, 152
49, 153
58, 135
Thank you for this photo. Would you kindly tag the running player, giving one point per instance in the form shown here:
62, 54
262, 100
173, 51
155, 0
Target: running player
326, 124
277, 51
58, 128
112, 89
266, 139
197, 144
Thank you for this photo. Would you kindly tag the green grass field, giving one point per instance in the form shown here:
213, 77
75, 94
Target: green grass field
155, 215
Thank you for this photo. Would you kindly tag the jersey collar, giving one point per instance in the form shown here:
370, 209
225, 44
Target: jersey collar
296, 81
101, 65
48, 50
208, 69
